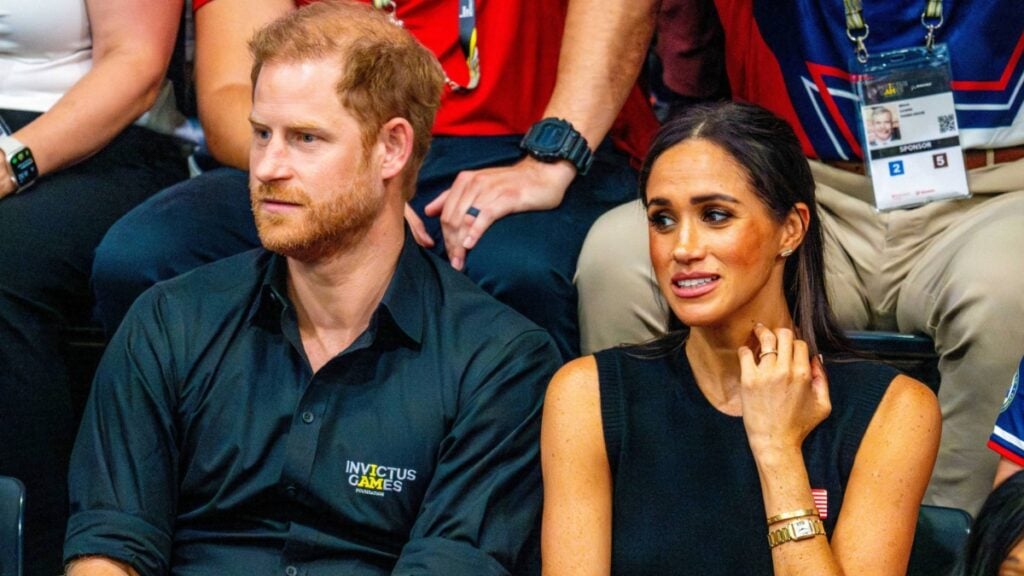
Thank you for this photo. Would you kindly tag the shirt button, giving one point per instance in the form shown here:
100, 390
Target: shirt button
291, 571
308, 417
290, 490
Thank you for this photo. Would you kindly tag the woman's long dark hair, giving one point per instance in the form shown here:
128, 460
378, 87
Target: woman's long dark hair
998, 528
770, 153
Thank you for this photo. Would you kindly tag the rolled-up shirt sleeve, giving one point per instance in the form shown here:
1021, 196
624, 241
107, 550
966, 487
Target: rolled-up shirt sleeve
122, 481
483, 502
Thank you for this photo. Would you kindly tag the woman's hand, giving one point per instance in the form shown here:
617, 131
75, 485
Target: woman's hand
784, 392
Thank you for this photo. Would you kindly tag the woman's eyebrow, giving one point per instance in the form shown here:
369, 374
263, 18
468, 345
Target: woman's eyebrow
713, 197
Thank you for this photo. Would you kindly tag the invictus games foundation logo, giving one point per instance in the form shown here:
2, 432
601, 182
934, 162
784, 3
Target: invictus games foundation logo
1011, 392
376, 480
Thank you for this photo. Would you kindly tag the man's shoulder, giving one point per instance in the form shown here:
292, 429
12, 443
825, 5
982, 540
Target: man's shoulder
222, 276
209, 291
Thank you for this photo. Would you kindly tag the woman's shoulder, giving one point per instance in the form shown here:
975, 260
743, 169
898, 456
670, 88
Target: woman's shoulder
578, 372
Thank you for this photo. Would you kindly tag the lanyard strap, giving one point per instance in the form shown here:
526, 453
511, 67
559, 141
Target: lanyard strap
467, 40
931, 19
857, 29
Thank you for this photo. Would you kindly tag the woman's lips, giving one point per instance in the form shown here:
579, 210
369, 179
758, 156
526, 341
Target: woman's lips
694, 285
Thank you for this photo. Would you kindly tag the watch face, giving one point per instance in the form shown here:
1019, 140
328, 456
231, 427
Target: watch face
23, 166
802, 529
547, 137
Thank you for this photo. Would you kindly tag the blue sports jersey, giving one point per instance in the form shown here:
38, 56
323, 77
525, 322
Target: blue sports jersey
1008, 436
794, 59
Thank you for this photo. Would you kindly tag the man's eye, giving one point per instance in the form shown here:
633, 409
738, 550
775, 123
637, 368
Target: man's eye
261, 133
307, 138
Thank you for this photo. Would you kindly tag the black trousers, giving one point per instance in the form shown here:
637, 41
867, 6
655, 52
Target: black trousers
48, 234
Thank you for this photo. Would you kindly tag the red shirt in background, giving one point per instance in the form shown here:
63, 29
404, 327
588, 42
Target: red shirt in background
519, 42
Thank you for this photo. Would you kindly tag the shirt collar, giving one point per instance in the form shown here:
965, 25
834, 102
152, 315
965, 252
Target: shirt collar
401, 310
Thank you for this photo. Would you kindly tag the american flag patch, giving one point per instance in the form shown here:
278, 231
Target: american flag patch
820, 496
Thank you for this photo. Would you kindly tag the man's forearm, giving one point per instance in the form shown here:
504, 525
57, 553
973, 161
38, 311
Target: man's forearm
99, 566
603, 48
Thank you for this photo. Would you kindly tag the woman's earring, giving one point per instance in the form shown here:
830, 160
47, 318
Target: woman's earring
786, 253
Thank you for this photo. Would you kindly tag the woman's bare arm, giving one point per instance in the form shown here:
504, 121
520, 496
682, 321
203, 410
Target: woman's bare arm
785, 395
132, 41
577, 522
892, 469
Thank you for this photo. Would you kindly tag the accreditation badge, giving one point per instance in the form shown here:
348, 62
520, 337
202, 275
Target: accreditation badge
909, 131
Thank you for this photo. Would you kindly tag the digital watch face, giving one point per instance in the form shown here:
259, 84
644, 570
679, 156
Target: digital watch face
23, 165
549, 137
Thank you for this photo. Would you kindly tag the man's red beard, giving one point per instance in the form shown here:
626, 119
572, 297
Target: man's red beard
316, 230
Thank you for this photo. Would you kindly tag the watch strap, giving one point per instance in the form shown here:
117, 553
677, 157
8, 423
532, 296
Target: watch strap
579, 154
10, 145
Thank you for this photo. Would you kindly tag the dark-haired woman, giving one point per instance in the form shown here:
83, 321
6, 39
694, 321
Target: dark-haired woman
996, 544
732, 447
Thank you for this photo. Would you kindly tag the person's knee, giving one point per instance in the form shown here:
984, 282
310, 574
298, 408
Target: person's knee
127, 261
975, 276
125, 255
619, 300
615, 250
138, 250
519, 273
182, 227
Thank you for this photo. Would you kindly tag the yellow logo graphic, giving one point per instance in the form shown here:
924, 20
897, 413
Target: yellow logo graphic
890, 90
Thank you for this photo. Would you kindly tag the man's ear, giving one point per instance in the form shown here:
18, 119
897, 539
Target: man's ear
395, 140
795, 227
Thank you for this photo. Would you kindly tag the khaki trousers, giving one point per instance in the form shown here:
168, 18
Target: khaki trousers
953, 270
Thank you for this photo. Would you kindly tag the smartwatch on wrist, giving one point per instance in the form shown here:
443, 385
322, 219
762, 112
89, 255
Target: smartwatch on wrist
19, 158
554, 139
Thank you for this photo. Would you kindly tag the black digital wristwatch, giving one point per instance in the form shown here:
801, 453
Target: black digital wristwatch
554, 139
23, 166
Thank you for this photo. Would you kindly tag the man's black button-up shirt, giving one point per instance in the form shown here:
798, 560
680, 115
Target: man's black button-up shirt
209, 446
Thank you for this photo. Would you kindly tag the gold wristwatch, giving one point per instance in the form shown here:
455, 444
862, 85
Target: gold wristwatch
801, 529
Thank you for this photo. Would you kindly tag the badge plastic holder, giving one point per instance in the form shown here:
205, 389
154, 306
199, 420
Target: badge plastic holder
908, 127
